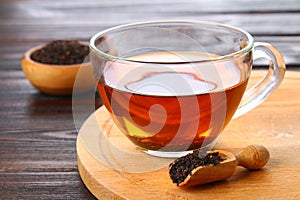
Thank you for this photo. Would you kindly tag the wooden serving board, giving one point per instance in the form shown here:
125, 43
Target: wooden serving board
109, 173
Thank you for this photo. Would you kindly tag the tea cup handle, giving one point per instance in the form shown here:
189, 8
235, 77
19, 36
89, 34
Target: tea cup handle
261, 90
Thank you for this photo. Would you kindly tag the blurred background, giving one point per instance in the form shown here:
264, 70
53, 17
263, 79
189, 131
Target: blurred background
25, 23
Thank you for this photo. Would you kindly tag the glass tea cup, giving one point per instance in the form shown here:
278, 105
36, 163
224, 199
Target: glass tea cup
172, 86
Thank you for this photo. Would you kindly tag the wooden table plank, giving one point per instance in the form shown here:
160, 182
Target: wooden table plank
43, 185
12, 51
255, 23
13, 7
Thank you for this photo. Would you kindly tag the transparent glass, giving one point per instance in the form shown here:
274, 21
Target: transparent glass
172, 86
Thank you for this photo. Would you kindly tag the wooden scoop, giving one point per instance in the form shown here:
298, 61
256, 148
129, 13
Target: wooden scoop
252, 157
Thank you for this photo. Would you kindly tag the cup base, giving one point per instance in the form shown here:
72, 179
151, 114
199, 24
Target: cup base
177, 154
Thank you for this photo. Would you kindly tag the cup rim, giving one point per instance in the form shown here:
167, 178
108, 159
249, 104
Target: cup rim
107, 56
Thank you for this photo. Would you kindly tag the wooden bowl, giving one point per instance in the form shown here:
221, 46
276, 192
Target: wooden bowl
52, 79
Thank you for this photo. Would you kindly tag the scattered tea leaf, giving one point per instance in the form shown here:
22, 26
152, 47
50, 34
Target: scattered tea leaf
183, 166
62, 52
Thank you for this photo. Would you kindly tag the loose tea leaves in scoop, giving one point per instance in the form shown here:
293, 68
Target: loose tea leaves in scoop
183, 166
62, 52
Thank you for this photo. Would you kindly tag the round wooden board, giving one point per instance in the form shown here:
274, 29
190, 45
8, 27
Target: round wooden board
274, 124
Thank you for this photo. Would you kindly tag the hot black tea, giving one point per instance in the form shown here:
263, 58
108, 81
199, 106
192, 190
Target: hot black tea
174, 109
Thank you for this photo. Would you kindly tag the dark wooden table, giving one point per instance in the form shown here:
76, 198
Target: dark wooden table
37, 132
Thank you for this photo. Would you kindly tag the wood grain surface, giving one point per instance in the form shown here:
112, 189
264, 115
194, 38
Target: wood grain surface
37, 132
279, 179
